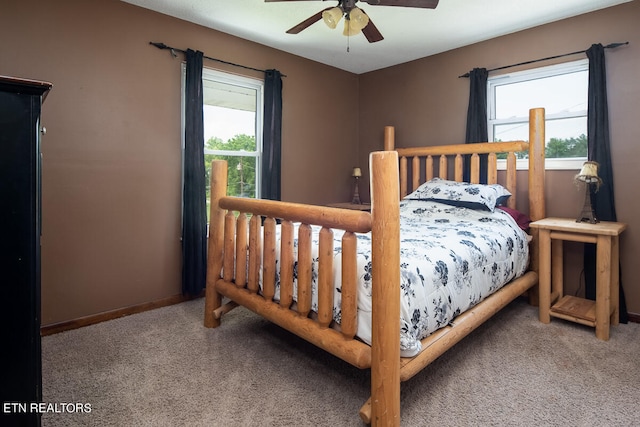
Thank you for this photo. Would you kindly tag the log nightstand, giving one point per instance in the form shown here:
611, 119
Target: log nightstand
605, 235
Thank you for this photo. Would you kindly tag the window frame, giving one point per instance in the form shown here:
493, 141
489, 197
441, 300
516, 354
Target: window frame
528, 75
230, 78
258, 86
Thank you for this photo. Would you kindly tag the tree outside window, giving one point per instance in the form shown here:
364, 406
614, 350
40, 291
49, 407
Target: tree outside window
241, 168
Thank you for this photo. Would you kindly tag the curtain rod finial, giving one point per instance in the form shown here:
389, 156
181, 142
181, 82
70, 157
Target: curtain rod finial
614, 45
164, 46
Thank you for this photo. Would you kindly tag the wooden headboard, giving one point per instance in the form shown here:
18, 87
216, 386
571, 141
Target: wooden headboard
426, 161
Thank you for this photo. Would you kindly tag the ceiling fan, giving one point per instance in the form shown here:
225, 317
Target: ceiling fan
355, 19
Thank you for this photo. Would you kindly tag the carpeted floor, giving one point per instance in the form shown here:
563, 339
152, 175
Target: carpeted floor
163, 368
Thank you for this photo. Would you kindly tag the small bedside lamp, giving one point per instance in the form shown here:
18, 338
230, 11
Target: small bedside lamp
589, 176
357, 173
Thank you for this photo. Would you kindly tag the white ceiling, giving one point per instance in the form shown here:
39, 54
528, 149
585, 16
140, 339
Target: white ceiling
409, 33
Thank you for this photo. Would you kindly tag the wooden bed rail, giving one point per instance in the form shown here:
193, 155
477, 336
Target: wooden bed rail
482, 148
356, 221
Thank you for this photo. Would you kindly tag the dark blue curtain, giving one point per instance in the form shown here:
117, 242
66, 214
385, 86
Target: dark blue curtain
194, 216
477, 119
272, 135
599, 151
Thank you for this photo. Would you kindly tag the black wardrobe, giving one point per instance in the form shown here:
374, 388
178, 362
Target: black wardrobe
20, 222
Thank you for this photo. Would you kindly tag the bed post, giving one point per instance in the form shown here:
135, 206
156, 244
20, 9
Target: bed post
389, 138
213, 300
537, 208
385, 254
536, 163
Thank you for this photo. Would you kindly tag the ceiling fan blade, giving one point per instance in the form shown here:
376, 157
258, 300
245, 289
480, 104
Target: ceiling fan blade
306, 23
273, 1
372, 33
425, 4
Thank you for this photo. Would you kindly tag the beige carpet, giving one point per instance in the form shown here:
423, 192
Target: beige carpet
163, 368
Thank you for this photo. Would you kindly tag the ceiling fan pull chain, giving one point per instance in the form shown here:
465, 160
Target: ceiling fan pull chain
347, 33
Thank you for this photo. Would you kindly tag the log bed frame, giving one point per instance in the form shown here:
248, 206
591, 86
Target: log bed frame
234, 241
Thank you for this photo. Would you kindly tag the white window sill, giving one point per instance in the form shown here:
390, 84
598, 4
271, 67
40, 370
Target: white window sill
550, 164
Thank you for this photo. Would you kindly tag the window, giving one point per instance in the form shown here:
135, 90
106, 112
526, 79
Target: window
233, 129
232, 114
562, 91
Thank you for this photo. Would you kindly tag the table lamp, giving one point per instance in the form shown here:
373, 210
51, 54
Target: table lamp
357, 173
589, 177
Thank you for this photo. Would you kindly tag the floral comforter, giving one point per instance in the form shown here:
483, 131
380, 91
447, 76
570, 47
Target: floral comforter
451, 259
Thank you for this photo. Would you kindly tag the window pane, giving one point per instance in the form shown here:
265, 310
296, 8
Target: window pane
564, 93
241, 174
566, 138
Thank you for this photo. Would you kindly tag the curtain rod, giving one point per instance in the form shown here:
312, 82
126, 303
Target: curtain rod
609, 46
173, 51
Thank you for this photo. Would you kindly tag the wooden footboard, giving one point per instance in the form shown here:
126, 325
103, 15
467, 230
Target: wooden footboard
242, 244
242, 250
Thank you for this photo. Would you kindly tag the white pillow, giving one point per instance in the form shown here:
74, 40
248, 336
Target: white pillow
463, 194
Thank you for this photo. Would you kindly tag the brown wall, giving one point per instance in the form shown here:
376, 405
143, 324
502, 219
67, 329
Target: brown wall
427, 103
111, 171
112, 159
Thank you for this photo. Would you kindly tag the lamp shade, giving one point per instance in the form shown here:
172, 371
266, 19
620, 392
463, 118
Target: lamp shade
589, 173
348, 29
358, 19
356, 172
332, 16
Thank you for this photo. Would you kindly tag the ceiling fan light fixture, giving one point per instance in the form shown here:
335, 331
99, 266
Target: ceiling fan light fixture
349, 30
354, 22
332, 16
358, 19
